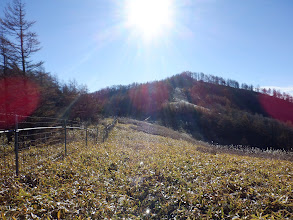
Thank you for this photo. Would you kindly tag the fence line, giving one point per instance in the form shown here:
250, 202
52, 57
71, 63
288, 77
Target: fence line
108, 128
27, 137
30, 129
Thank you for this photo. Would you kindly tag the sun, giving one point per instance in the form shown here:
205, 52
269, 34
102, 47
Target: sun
149, 18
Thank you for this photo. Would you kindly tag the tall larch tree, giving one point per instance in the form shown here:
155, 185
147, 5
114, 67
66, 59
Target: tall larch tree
20, 36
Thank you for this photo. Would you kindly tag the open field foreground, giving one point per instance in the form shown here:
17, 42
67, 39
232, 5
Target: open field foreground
137, 175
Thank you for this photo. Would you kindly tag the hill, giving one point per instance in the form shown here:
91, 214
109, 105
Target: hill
208, 107
146, 171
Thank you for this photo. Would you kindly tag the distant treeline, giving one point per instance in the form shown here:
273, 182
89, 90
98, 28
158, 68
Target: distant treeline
52, 98
234, 84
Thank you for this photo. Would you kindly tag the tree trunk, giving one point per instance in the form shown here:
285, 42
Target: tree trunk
21, 42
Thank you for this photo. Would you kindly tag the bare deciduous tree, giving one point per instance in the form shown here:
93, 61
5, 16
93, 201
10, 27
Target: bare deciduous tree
22, 39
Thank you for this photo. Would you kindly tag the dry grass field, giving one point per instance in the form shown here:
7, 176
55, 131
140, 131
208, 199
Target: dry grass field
148, 172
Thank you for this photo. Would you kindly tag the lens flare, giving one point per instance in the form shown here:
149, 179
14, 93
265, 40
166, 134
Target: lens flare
277, 108
18, 96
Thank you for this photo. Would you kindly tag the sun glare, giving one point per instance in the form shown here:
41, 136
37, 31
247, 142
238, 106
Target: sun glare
149, 18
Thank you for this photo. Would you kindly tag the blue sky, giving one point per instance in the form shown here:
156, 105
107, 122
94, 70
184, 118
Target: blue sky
249, 41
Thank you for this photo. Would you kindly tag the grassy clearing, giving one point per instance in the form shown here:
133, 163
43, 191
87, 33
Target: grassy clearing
139, 175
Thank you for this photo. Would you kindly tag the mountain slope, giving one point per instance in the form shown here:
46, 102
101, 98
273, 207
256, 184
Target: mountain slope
207, 107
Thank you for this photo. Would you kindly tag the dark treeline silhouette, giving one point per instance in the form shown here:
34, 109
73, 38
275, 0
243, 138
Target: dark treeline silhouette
208, 107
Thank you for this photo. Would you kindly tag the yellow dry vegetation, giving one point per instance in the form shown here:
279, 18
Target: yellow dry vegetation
136, 175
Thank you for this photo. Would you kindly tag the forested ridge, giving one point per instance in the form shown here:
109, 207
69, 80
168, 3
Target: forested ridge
208, 107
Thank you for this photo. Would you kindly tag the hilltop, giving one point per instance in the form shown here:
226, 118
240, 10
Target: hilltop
207, 107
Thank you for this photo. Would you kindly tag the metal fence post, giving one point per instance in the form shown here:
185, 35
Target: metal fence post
107, 132
16, 146
104, 133
65, 137
97, 134
86, 135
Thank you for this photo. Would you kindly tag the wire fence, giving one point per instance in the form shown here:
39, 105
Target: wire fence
32, 140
